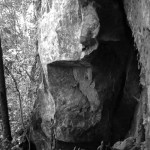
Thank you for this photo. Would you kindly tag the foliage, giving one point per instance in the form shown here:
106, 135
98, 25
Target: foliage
18, 33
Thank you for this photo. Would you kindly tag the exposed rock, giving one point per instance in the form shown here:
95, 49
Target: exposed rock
90, 88
86, 94
138, 15
64, 26
127, 144
76, 99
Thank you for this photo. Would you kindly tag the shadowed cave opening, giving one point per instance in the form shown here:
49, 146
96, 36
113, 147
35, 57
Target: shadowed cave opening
116, 75
98, 96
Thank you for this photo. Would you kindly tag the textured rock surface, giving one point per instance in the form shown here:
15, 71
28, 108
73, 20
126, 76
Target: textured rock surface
63, 27
127, 144
138, 15
86, 93
76, 99
86, 100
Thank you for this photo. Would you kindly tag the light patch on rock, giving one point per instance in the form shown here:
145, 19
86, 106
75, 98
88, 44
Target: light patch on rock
48, 105
60, 30
87, 87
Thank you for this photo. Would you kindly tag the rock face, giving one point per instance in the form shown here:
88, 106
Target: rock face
94, 99
89, 91
138, 15
64, 27
76, 100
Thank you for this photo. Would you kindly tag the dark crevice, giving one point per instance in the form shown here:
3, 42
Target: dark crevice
122, 48
115, 58
115, 75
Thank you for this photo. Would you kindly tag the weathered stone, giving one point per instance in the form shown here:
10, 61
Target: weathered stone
62, 26
91, 99
138, 15
85, 94
127, 144
76, 99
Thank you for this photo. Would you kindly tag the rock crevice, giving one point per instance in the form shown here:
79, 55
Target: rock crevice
91, 86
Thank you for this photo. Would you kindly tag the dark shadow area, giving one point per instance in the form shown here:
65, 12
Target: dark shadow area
111, 71
115, 58
115, 70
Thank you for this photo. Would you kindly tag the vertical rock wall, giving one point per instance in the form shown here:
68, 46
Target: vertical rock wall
138, 15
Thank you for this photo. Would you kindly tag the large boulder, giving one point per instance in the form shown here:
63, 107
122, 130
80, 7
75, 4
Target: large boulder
93, 98
89, 90
63, 29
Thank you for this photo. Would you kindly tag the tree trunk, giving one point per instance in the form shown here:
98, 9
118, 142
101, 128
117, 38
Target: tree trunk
3, 101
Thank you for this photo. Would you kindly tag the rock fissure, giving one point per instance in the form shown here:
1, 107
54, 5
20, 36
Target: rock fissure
92, 76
